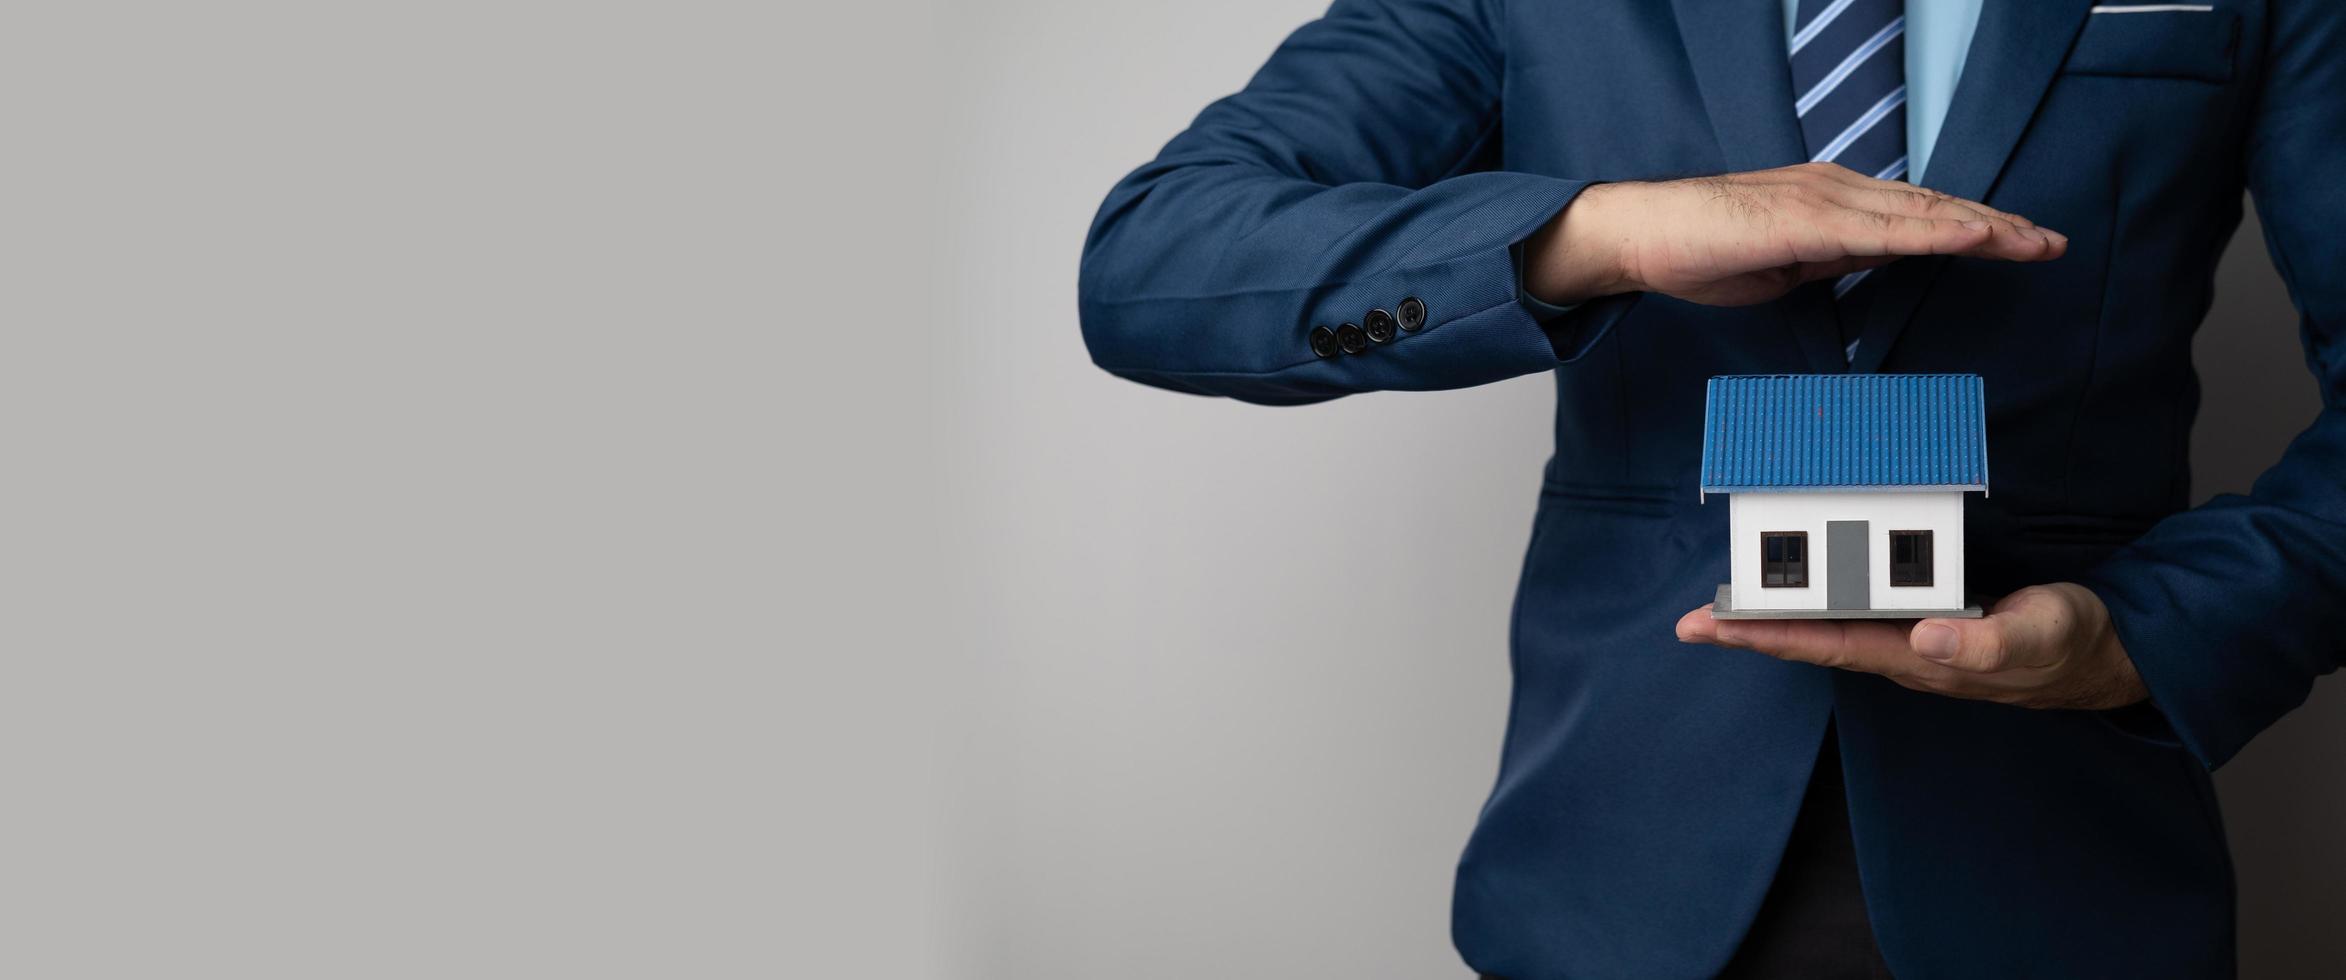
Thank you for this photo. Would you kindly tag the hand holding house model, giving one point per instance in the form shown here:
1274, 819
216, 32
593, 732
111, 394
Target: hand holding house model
1845, 492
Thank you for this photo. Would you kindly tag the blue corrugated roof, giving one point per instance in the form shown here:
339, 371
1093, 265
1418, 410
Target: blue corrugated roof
1844, 431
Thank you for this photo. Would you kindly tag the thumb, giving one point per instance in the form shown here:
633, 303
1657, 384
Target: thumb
2019, 632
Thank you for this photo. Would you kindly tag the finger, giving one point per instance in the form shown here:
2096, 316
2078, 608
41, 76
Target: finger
1872, 646
2022, 632
1846, 177
1856, 232
1965, 203
1978, 237
1698, 626
1975, 645
1949, 200
1900, 197
2014, 231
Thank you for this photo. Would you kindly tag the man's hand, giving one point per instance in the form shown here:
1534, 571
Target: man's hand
1751, 237
2046, 646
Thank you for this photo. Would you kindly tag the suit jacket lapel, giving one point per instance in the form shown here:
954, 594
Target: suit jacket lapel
1738, 53
1737, 49
2015, 54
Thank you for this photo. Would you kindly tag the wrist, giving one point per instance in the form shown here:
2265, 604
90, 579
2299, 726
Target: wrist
1581, 253
2118, 684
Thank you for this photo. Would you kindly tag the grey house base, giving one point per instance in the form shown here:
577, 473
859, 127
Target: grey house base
1721, 610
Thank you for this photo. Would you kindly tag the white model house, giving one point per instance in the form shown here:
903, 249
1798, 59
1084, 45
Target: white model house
1844, 492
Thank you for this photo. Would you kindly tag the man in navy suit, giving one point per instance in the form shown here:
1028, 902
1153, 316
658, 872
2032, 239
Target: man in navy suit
1427, 194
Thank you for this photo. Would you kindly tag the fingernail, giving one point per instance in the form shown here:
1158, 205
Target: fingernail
1935, 643
1976, 225
2057, 237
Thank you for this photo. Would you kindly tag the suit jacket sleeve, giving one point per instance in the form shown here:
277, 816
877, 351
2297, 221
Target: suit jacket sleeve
2231, 610
1342, 179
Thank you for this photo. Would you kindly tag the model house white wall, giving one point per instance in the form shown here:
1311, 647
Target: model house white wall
1751, 513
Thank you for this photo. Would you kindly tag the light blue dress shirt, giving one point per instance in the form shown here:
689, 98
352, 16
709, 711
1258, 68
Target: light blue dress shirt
1938, 36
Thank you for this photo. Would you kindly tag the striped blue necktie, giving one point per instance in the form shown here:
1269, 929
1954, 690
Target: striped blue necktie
1849, 73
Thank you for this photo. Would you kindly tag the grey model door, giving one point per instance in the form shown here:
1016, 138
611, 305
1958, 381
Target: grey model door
1848, 578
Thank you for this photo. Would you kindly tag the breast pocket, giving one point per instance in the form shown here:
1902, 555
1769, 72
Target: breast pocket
2157, 40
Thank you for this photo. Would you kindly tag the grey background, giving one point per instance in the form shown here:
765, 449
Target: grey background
1234, 676
469, 490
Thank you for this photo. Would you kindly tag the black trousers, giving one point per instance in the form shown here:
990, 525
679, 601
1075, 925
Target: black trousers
1812, 925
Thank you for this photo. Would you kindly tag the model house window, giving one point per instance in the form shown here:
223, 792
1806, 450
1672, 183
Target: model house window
1910, 558
1783, 559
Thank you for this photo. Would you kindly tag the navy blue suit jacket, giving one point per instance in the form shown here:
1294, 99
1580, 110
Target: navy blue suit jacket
1399, 148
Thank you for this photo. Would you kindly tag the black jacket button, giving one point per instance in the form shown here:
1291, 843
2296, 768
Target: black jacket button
1413, 314
1379, 325
1354, 339
1323, 342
